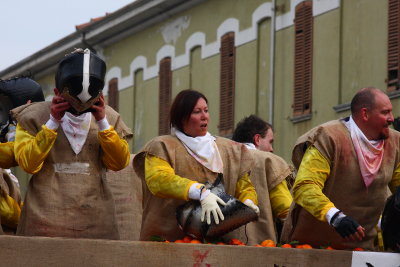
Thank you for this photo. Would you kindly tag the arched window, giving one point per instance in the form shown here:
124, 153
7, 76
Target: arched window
227, 84
303, 59
165, 91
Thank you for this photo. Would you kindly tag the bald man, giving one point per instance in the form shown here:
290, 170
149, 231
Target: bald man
344, 169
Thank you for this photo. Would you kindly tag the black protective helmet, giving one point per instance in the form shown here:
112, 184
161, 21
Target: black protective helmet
16, 92
80, 79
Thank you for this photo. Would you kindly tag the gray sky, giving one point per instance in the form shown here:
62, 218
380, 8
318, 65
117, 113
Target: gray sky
27, 26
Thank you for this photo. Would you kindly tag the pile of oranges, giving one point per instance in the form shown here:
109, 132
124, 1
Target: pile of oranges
265, 243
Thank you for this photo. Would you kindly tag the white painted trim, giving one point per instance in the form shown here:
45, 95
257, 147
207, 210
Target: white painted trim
319, 7
211, 49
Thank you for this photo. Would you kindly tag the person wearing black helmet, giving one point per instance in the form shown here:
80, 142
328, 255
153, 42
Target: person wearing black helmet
68, 144
13, 93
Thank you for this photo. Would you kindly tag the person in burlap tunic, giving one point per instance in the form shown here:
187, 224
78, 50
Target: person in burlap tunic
175, 167
268, 176
19, 91
10, 196
344, 169
67, 144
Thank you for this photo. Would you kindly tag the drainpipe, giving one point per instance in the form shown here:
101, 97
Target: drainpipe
271, 66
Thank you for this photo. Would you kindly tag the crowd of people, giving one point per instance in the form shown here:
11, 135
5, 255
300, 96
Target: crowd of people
334, 194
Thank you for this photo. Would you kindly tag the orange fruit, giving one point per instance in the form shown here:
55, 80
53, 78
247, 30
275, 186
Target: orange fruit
304, 246
220, 243
330, 248
358, 249
187, 239
179, 241
166, 241
195, 241
286, 246
268, 243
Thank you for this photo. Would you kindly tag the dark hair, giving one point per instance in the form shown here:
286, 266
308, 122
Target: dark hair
183, 106
248, 127
365, 98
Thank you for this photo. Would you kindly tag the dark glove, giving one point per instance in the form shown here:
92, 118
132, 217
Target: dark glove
397, 199
344, 225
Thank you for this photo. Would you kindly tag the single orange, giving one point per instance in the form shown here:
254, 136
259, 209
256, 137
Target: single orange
187, 239
179, 241
330, 248
268, 243
304, 246
166, 241
358, 249
286, 246
195, 241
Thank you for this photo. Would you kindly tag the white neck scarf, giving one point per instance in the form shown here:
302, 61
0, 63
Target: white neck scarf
76, 128
203, 149
369, 153
250, 145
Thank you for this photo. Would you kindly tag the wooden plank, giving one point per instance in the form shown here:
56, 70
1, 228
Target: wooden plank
44, 251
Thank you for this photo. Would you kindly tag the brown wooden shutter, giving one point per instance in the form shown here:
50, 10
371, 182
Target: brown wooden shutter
113, 95
393, 45
303, 59
165, 91
227, 84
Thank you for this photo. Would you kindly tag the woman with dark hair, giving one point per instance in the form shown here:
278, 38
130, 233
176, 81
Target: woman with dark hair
175, 168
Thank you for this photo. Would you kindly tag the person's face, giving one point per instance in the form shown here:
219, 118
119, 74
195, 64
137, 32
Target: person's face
197, 123
379, 118
265, 143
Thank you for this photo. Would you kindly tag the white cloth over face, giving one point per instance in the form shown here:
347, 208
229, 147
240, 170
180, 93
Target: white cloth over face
203, 149
369, 152
76, 128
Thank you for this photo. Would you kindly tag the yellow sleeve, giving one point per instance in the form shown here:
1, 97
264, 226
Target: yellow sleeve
281, 199
310, 180
116, 154
31, 151
395, 182
163, 182
10, 211
245, 189
7, 159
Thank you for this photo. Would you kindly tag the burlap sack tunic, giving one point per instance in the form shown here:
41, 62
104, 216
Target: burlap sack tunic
344, 187
159, 214
9, 187
269, 170
69, 196
126, 188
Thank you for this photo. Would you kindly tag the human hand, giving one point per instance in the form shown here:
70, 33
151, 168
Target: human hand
210, 205
99, 109
348, 228
58, 106
250, 204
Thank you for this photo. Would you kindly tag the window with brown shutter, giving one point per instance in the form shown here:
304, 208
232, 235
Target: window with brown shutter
113, 96
393, 45
303, 59
227, 84
165, 91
